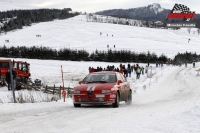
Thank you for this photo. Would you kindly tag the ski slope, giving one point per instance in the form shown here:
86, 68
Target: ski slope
170, 102
77, 33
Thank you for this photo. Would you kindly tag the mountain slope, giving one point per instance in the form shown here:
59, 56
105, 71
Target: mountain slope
77, 33
151, 12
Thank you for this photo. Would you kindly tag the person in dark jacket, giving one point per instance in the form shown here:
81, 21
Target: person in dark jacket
8, 79
194, 64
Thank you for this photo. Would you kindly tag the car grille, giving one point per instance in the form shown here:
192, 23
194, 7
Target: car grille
98, 99
84, 100
90, 94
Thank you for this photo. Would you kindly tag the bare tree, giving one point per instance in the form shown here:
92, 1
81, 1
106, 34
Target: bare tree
189, 30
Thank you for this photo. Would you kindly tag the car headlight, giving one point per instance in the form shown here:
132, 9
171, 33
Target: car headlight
105, 91
77, 92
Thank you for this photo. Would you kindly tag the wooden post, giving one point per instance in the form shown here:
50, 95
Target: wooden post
62, 81
46, 89
68, 92
60, 92
12, 82
53, 89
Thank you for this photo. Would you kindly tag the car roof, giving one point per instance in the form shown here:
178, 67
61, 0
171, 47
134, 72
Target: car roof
104, 72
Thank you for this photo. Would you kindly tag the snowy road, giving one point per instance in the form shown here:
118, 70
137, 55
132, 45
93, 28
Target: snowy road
168, 106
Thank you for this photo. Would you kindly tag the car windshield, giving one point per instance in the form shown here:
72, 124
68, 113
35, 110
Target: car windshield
102, 78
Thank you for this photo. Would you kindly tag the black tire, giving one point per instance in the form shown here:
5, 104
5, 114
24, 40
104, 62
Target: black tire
77, 105
116, 104
129, 98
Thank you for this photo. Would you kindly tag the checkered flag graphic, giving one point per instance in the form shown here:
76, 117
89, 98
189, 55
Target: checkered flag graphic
182, 8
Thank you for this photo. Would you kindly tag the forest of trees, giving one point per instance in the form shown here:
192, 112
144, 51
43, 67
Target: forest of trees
79, 55
16, 19
186, 57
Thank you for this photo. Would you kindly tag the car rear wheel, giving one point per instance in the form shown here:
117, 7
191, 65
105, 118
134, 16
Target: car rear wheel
129, 98
77, 105
116, 104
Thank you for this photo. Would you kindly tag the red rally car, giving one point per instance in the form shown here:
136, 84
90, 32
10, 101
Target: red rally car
105, 87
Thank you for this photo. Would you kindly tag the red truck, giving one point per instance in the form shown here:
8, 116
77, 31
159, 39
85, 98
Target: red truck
22, 68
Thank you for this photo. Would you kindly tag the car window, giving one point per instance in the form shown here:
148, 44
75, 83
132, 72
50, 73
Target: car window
107, 78
123, 78
119, 77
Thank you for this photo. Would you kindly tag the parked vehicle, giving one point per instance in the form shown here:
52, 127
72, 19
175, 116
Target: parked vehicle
105, 87
22, 68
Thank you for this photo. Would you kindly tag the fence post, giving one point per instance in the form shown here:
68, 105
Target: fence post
68, 92
46, 89
60, 91
53, 89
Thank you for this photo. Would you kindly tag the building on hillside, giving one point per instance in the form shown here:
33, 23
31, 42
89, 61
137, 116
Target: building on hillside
67, 9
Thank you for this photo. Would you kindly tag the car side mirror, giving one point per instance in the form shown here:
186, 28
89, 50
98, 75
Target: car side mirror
80, 82
119, 82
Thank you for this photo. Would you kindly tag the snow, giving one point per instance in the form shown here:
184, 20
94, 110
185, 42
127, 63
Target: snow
156, 7
76, 33
170, 102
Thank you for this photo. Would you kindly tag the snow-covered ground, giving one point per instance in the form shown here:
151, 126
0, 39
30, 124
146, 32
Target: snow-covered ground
170, 102
77, 33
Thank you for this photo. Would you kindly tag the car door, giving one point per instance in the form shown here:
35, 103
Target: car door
126, 87
122, 86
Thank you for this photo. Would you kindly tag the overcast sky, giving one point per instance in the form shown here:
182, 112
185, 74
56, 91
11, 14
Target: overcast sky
91, 6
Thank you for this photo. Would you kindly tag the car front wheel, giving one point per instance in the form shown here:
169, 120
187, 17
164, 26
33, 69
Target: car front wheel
116, 104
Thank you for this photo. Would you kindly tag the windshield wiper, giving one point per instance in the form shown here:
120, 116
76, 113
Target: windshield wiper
87, 82
99, 82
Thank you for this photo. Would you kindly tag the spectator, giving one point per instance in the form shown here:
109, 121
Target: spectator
194, 64
142, 70
8, 79
138, 72
129, 71
89, 69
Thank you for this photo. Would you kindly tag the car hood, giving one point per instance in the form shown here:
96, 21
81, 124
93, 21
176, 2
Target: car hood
95, 87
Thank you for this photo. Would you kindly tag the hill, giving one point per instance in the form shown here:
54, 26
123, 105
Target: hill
77, 33
152, 12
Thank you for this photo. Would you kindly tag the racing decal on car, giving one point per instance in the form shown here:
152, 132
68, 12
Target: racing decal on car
91, 88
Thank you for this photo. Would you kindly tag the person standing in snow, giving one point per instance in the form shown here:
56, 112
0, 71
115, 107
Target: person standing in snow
142, 70
129, 70
146, 69
156, 64
193, 64
89, 69
8, 79
138, 72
